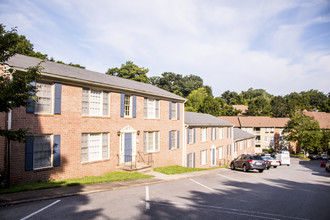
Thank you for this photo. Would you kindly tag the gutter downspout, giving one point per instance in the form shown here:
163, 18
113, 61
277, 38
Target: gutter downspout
184, 145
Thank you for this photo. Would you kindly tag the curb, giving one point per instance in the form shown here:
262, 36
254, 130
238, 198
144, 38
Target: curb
107, 186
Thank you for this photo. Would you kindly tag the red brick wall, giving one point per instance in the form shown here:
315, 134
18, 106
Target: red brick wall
199, 146
71, 124
3, 121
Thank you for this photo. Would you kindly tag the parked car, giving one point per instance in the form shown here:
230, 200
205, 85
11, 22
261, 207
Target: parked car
327, 166
271, 162
248, 162
324, 157
313, 157
284, 158
323, 163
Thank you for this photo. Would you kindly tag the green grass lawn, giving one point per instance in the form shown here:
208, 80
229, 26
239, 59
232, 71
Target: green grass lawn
109, 177
169, 170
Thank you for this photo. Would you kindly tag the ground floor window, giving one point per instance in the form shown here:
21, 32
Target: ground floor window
151, 141
42, 151
191, 160
220, 152
94, 147
203, 157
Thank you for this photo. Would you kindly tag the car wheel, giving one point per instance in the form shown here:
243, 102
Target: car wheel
288, 164
268, 168
260, 171
232, 166
274, 166
245, 169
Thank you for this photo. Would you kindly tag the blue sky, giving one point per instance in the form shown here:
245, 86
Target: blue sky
281, 46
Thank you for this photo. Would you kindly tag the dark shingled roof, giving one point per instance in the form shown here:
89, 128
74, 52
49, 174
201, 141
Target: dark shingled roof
241, 135
200, 119
21, 61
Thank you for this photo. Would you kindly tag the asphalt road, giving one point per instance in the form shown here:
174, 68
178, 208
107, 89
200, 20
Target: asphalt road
299, 191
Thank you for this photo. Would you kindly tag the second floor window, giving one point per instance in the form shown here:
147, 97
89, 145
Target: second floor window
151, 108
127, 106
95, 103
174, 110
203, 134
213, 134
45, 101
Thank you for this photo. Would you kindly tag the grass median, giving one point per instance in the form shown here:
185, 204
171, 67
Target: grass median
109, 177
170, 170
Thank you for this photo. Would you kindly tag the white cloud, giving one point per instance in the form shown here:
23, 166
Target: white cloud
232, 45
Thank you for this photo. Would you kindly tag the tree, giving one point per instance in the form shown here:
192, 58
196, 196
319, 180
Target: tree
305, 131
210, 106
130, 71
279, 107
226, 110
259, 107
325, 140
195, 99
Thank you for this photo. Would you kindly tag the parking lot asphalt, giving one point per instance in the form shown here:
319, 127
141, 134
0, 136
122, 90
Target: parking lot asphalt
43, 194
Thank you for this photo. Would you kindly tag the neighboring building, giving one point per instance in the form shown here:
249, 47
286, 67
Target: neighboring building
243, 108
268, 131
243, 142
209, 140
87, 123
322, 117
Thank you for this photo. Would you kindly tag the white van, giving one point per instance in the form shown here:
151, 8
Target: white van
283, 157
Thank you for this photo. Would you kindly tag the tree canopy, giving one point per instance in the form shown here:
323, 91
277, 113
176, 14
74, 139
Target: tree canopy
15, 86
305, 131
130, 71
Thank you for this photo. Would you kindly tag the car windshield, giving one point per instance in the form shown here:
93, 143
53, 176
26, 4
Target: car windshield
256, 157
268, 158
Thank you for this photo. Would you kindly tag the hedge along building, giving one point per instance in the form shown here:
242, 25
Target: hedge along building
87, 123
209, 140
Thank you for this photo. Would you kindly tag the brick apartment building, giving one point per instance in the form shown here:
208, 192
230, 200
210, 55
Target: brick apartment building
87, 123
268, 131
210, 140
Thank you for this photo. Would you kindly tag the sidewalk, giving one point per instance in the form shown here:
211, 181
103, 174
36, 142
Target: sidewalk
36, 195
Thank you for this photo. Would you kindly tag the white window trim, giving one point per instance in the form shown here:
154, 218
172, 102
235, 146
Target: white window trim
191, 136
220, 133
203, 157
175, 105
154, 109
130, 106
51, 151
203, 132
101, 147
220, 150
174, 135
155, 142
101, 103
52, 88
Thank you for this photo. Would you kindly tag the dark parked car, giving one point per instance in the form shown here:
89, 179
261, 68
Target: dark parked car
248, 162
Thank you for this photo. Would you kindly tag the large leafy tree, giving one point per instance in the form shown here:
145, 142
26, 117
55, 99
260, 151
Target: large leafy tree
259, 107
15, 87
279, 107
195, 99
130, 71
305, 131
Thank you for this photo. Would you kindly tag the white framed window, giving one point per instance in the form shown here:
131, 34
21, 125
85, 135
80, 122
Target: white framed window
174, 111
213, 134
271, 130
228, 132
42, 151
95, 103
151, 141
191, 135
267, 130
203, 157
220, 133
128, 106
174, 139
94, 147
44, 97
220, 152
203, 134
151, 108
